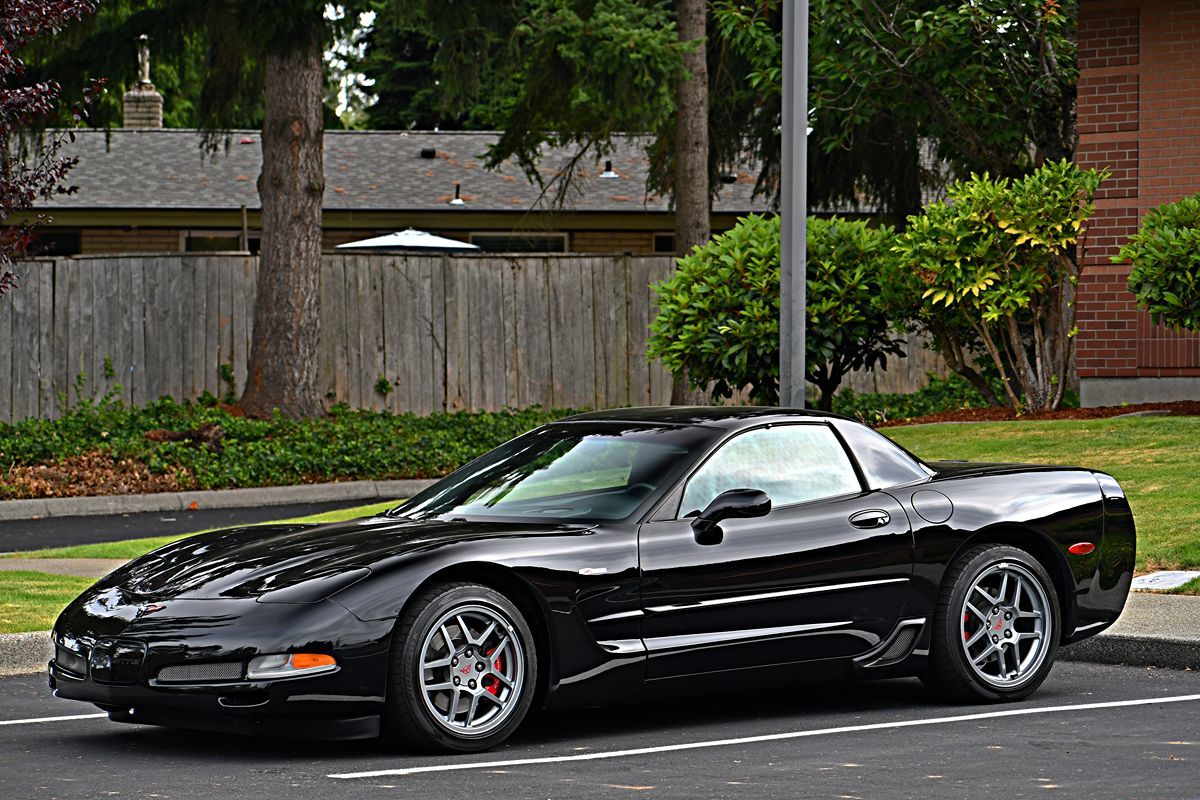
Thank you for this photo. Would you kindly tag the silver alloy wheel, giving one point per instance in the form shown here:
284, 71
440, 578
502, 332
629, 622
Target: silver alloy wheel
472, 669
1006, 625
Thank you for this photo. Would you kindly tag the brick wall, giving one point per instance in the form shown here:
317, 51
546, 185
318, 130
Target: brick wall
1138, 108
95, 241
1108, 35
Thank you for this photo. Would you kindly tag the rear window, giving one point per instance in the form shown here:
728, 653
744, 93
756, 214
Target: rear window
883, 462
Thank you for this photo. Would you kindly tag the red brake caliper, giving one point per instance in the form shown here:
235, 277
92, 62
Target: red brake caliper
493, 684
966, 619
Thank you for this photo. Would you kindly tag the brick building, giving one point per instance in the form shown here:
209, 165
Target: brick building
1139, 116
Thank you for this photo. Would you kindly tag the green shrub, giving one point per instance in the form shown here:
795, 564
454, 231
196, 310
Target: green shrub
719, 313
1001, 252
1165, 254
939, 395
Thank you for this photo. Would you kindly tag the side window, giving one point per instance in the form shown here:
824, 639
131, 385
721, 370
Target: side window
883, 463
791, 463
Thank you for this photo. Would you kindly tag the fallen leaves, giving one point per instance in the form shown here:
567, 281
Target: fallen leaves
93, 473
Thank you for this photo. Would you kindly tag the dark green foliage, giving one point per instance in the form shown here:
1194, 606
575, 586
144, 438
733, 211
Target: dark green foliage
345, 445
1165, 254
719, 313
848, 327
574, 72
940, 394
581, 74
399, 61
225, 373
990, 84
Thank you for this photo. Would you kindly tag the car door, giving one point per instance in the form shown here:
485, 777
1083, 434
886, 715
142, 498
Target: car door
823, 575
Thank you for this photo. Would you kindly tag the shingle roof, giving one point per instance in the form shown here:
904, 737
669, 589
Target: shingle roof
364, 171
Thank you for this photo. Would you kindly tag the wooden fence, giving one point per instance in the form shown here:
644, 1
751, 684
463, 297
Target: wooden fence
446, 332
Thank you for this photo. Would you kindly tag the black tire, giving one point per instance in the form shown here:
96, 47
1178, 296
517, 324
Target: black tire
409, 720
950, 673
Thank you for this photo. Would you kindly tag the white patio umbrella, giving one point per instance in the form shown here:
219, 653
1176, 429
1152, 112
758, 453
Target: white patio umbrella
410, 239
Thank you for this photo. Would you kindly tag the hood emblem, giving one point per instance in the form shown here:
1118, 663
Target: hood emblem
149, 609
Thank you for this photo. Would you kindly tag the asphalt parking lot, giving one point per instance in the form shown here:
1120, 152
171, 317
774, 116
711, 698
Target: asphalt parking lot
1095, 731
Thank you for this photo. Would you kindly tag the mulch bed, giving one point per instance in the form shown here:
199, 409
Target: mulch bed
1178, 408
88, 474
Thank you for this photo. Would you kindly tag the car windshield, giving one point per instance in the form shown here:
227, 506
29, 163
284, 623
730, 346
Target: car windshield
581, 472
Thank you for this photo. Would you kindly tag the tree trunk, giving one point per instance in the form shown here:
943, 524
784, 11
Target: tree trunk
690, 179
952, 351
283, 352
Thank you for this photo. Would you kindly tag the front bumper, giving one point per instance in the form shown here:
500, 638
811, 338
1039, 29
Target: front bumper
116, 666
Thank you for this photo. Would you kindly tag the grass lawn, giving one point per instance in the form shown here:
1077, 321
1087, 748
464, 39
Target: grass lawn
1155, 459
30, 601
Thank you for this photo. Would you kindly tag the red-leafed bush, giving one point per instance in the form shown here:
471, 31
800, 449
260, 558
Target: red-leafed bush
32, 168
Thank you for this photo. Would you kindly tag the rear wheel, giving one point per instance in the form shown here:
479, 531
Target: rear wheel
996, 628
463, 670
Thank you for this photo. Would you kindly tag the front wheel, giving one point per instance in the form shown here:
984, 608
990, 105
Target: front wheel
996, 628
463, 670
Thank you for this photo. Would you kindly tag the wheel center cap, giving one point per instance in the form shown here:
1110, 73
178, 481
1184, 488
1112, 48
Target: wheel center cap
1001, 624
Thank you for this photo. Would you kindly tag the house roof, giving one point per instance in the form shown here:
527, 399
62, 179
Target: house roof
166, 169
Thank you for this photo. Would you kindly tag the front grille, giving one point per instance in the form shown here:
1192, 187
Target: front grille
211, 672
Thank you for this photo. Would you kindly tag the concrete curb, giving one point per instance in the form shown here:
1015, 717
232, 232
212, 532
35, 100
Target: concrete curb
24, 653
1135, 651
225, 498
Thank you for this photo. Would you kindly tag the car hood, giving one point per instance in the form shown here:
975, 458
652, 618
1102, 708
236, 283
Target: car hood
272, 561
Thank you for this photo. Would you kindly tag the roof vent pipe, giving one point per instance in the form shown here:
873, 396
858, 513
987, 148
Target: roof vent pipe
457, 199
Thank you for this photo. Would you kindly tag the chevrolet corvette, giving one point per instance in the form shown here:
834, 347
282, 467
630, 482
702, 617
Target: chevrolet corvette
607, 557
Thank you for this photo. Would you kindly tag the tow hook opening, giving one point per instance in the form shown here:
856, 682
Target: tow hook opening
244, 700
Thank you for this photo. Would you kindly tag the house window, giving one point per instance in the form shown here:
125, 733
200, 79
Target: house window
215, 241
47, 242
520, 243
664, 243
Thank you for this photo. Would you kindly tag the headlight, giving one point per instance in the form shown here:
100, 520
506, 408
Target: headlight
289, 665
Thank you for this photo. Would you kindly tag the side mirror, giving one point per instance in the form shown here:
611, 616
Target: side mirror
735, 503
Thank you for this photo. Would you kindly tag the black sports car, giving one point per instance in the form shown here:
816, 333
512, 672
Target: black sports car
602, 557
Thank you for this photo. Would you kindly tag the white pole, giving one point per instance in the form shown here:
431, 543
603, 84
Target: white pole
793, 204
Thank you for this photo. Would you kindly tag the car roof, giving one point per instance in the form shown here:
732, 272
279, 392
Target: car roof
726, 417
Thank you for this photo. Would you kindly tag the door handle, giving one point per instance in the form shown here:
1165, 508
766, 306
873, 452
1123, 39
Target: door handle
872, 518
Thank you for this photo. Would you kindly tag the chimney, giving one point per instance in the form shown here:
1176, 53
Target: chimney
143, 104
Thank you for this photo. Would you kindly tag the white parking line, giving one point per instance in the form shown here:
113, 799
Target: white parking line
770, 737
50, 719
